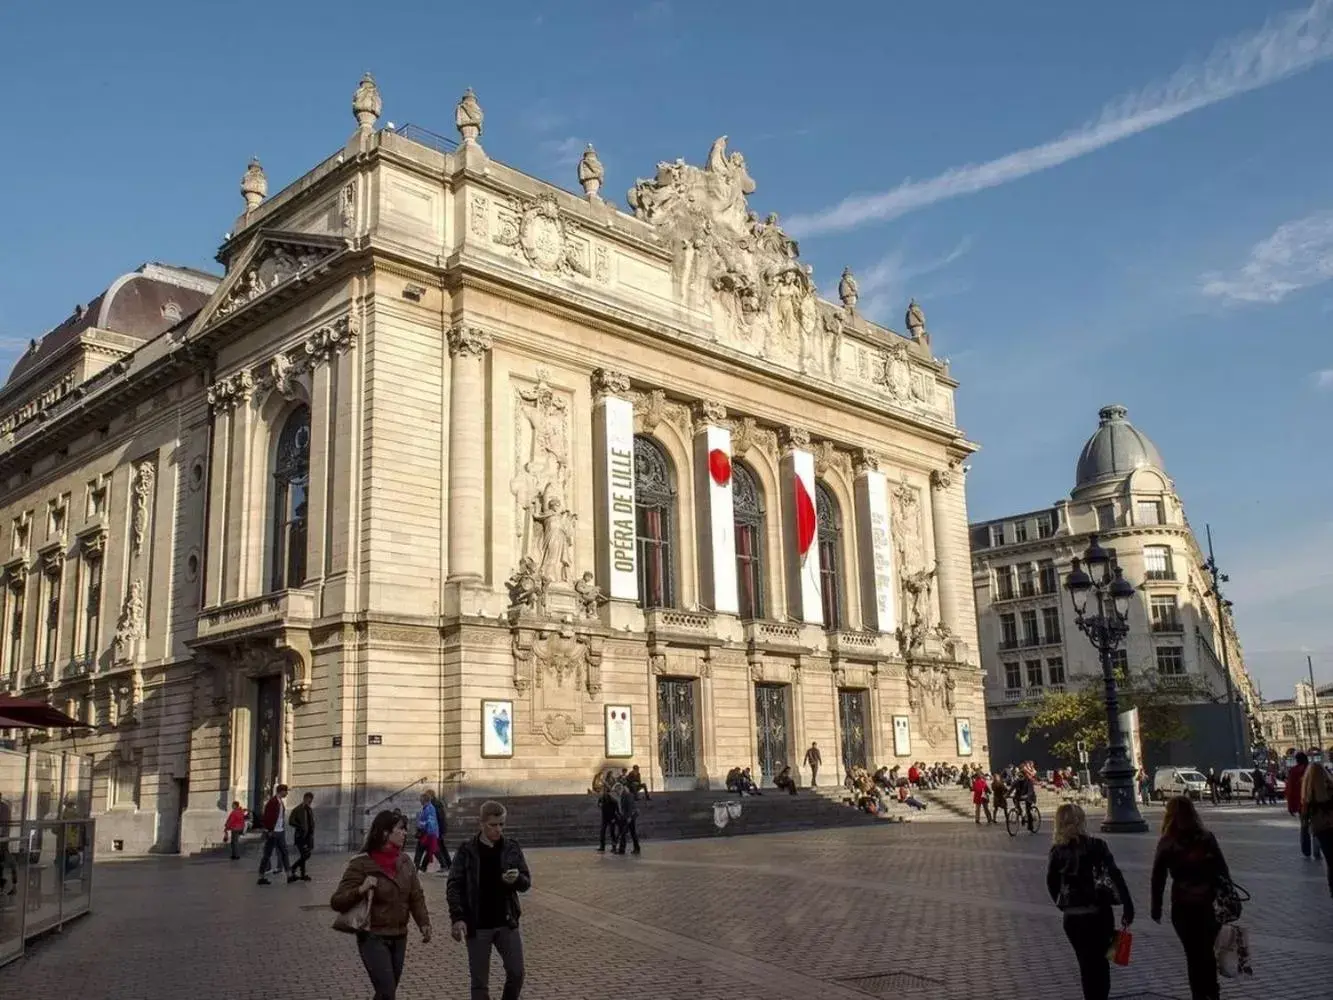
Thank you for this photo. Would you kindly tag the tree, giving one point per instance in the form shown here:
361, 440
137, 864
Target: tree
1064, 719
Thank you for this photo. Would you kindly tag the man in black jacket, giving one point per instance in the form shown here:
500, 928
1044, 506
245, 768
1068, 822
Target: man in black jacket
302, 822
487, 875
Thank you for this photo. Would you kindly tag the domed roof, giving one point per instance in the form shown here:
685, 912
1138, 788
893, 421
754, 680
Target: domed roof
1115, 450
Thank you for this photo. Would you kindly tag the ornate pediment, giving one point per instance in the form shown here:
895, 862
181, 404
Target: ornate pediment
275, 260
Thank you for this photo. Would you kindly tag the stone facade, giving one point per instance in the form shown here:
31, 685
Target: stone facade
1302, 722
459, 479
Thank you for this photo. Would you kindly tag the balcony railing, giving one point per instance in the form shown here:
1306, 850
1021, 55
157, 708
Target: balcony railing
1167, 625
1013, 694
1005, 594
257, 614
1008, 644
1180, 680
1160, 574
80, 666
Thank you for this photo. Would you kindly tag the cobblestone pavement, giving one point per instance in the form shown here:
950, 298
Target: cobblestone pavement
932, 911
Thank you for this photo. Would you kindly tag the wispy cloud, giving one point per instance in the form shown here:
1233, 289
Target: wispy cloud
1298, 255
883, 285
560, 155
1324, 379
1285, 45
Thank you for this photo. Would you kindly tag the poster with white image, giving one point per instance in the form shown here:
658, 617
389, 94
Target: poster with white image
964, 737
902, 736
619, 731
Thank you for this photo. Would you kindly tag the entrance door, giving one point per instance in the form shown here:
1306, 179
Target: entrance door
675, 734
266, 741
770, 720
852, 718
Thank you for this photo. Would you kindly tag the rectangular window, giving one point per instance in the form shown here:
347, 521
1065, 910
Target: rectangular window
996, 535
830, 580
1148, 512
22, 533
92, 609
1050, 624
749, 578
1033, 672
1031, 637
57, 517
14, 643
125, 784
655, 578
1020, 531
51, 626
1045, 526
1050, 583
1171, 661
1004, 583
98, 490
1120, 660
1008, 632
1027, 584
1055, 670
1157, 563
1106, 517
1165, 613
1013, 677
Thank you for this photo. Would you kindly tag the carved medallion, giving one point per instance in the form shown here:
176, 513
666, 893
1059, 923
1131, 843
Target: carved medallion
539, 233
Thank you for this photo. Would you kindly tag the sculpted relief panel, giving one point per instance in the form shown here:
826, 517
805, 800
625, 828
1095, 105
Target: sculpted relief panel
543, 520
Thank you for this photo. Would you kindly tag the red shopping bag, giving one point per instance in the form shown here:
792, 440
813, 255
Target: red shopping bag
1121, 947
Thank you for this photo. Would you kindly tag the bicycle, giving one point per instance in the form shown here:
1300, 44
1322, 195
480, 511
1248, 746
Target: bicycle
1014, 819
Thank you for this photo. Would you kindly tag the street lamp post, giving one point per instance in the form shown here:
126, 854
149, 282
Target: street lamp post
1096, 575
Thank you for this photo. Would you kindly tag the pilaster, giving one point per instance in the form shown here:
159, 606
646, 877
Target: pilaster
468, 348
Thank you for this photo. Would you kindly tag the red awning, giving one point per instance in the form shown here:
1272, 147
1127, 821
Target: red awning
29, 714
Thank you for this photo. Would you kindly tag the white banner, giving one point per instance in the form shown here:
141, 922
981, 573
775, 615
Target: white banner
715, 446
622, 576
1129, 725
878, 591
806, 519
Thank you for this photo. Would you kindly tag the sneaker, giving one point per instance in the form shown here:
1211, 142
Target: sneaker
293, 878
264, 881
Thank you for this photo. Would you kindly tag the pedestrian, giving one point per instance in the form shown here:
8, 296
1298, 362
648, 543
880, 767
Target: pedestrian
1317, 813
813, 759
610, 809
233, 828
428, 833
442, 855
303, 835
1212, 785
488, 873
389, 876
981, 799
1295, 780
628, 808
1191, 856
274, 822
1084, 882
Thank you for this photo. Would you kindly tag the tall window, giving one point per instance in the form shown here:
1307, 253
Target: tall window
291, 497
1033, 668
830, 555
1013, 676
1157, 562
1165, 613
1055, 670
1148, 512
1170, 661
655, 523
749, 514
1026, 584
1105, 517
996, 535
1050, 624
1020, 531
92, 606
1004, 583
1288, 726
1045, 529
1031, 637
14, 645
51, 626
1049, 583
1120, 660
1008, 632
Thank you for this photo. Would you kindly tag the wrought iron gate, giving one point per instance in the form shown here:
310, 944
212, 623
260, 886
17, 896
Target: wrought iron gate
675, 732
770, 722
852, 718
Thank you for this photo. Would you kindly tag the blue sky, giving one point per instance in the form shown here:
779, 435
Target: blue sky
1093, 203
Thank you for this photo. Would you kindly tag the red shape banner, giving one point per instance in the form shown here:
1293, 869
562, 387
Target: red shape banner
805, 519
719, 466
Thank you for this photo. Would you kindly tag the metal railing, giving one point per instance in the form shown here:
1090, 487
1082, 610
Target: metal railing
425, 137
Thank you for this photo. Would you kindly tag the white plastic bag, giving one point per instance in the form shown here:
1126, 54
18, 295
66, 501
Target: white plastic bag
734, 810
1232, 950
720, 815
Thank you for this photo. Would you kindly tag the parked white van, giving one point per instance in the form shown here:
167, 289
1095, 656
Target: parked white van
1169, 781
1242, 782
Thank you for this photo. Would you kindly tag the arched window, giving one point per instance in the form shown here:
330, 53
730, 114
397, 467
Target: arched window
1288, 726
748, 506
291, 496
830, 555
655, 523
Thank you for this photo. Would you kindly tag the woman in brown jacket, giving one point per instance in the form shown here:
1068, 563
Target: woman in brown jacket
385, 871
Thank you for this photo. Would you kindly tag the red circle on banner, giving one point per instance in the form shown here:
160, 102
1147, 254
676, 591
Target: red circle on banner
805, 519
719, 466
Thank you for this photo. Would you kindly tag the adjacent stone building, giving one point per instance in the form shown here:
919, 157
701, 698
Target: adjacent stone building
1030, 644
1302, 722
457, 478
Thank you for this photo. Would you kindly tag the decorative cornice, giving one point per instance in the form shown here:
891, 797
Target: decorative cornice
864, 461
708, 413
794, 438
609, 382
469, 341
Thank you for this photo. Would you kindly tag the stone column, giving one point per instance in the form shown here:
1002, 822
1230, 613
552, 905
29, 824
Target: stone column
215, 558
941, 482
468, 347
874, 540
716, 518
613, 485
800, 528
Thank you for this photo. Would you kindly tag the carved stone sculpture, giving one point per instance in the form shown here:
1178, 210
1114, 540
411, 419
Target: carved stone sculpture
126, 696
607, 382
468, 117
589, 595
591, 173
848, 292
276, 262
543, 522
145, 477
130, 626
254, 186
366, 103
469, 341
538, 232
907, 535
555, 537
230, 391
527, 588
916, 322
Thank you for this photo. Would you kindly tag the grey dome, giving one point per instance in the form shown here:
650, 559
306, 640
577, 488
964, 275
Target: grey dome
1115, 450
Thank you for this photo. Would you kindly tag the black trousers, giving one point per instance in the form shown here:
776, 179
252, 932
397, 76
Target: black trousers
610, 823
274, 842
383, 958
305, 846
628, 827
235, 837
1196, 925
1091, 934
509, 943
1326, 845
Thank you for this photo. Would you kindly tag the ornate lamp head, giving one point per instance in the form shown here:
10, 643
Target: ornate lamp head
1079, 584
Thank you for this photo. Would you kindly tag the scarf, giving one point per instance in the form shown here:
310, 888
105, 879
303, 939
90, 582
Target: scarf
387, 858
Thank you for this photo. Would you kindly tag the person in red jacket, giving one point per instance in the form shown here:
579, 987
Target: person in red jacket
981, 798
274, 822
233, 828
1295, 779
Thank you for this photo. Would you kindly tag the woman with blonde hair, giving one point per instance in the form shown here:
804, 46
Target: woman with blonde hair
1191, 856
1085, 882
1317, 811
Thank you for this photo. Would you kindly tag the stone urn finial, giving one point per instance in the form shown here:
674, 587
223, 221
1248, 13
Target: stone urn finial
591, 173
468, 117
848, 291
254, 185
366, 103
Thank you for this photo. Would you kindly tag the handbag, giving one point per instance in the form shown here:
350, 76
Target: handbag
1229, 900
357, 919
1121, 946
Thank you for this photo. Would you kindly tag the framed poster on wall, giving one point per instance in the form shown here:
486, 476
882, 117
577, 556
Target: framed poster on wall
902, 736
619, 731
964, 737
497, 729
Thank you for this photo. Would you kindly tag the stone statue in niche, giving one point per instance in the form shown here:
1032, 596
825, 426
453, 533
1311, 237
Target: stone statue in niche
930, 695
543, 524
527, 588
589, 594
906, 523
130, 624
918, 588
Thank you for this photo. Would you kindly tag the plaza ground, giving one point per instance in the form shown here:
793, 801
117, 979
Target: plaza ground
938, 910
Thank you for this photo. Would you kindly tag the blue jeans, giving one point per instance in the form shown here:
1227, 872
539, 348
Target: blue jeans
1309, 845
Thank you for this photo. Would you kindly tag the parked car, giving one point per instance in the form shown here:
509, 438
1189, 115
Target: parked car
1170, 781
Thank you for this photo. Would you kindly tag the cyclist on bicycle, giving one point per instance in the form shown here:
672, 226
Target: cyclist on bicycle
1025, 791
